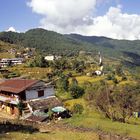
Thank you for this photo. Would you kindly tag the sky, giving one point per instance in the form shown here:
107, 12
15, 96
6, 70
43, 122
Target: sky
119, 19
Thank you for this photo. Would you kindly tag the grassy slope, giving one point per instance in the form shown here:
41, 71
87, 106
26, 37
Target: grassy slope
57, 135
89, 119
35, 72
53, 42
4, 47
92, 119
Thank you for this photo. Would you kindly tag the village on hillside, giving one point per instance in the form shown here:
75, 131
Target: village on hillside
48, 91
69, 70
31, 99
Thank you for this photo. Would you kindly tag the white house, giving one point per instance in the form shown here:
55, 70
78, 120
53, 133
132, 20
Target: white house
11, 61
14, 91
50, 58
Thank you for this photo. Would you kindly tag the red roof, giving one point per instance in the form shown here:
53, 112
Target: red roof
16, 85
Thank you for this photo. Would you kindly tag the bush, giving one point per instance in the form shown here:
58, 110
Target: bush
109, 77
63, 83
115, 81
77, 109
12, 75
124, 78
76, 91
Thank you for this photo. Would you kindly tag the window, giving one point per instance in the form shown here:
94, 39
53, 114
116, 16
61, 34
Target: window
40, 93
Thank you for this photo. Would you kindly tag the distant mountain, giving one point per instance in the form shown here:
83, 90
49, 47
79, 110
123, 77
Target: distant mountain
122, 49
47, 41
118, 45
52, 42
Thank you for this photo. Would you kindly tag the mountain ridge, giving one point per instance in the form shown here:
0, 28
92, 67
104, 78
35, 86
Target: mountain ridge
56, 43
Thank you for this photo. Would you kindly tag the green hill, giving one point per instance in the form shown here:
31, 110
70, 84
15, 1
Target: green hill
128, 51
5, 49
52, 42
47, 41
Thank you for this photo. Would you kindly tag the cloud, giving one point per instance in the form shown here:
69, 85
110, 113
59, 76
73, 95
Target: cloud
64, 15
114, 24
77, 16
12, 29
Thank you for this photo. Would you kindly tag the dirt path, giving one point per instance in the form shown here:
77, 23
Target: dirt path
66, 127
52, 127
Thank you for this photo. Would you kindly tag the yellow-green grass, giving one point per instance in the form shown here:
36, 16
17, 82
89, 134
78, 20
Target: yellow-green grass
69, 104
92, 119
128, 82
63, 95
56, 135
82, 79
5, 47
35, 72
6, 55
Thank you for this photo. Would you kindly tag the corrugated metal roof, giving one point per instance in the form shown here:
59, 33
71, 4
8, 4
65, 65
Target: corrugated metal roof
16, 85
36, 118
45, 103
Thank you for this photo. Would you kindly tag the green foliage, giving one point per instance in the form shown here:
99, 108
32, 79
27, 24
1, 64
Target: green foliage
61, 64
76, 91
48, 41
77, 109
108, 45
115, 80
119, 71
77, 65
124, 78
10, 74
110, 77
63, 83
117, 103
70, 45
39, 61
13, 74
20, 106
74, 82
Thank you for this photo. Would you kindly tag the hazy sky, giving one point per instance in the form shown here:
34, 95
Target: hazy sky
112, 18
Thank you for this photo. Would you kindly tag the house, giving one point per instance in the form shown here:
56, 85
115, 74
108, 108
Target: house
33, 94
52, 57
10, 61
39, 108
98, 72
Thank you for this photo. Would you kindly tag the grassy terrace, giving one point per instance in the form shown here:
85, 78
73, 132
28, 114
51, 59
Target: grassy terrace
96, 121
37, 73
89, 119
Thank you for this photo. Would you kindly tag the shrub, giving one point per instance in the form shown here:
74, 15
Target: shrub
76, 91
109, 77
115, 81
77, 109
124, 78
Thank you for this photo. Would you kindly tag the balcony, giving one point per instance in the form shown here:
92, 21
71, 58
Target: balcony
9, 99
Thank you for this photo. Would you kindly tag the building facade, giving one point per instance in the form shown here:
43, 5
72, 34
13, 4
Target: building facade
16, 91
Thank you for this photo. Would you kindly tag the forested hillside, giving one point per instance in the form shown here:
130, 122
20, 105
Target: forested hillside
52, 42
128, 51
48, 41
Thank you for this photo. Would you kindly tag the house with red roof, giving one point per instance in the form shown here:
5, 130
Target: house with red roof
30, 93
